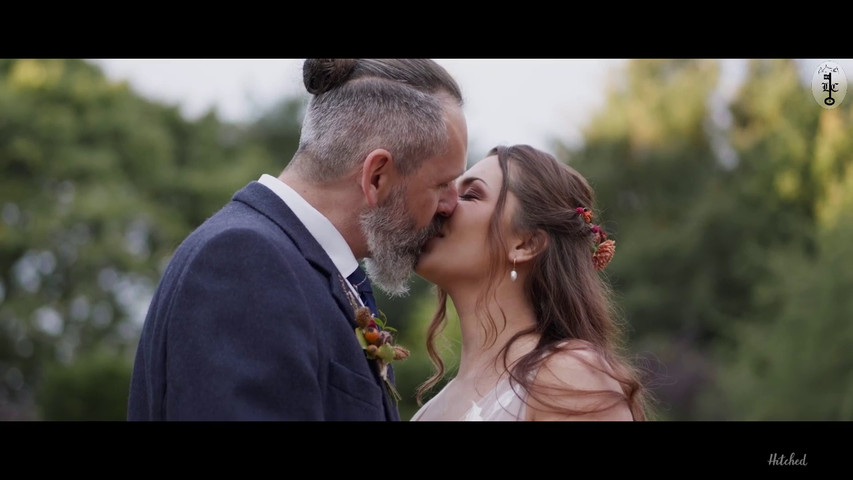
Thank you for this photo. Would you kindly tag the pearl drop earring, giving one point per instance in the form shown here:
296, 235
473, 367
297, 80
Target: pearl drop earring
513, 275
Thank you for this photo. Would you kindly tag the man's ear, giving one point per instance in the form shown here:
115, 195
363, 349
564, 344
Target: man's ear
527, 246
377, 175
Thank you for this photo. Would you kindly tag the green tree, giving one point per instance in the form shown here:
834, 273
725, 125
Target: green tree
699, 229
99, 186
661, 195
793, 360
92, 388
276, 132
790, 358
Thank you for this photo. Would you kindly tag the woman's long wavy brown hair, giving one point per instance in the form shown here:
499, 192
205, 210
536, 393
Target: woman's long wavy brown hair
571, 299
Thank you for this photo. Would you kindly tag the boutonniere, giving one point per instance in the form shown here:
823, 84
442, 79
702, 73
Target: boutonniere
377, 340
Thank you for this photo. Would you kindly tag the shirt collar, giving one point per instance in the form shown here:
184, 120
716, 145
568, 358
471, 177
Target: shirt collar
329, 238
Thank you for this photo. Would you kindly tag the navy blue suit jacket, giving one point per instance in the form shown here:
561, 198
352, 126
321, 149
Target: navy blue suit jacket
250, 322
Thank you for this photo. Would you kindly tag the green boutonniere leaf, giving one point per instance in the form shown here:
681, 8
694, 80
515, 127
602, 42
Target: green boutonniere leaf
359, 335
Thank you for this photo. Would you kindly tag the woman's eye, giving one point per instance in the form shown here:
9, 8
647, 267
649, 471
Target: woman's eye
469, 195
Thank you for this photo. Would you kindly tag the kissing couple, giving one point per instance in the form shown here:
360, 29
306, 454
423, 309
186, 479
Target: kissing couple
265, 313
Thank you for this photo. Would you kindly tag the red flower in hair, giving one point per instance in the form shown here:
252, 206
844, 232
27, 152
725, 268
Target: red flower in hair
603, 249
585, 213
599, 235
603, 254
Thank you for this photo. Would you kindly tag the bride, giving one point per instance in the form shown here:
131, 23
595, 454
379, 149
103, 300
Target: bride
520, 259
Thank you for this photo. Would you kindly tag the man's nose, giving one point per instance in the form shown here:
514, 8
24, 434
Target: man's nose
447, 202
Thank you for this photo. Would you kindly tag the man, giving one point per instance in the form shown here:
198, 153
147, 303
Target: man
253, 318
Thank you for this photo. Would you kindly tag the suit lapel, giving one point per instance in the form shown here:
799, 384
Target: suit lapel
270, 205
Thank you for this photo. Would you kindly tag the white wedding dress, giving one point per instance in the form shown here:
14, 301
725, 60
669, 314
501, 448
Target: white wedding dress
504, 403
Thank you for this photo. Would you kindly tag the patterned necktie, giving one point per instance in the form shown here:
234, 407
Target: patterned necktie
359, 280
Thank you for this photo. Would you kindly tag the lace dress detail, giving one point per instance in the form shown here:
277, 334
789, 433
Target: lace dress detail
504, 403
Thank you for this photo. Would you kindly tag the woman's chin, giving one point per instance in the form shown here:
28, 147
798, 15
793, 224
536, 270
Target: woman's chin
422, 268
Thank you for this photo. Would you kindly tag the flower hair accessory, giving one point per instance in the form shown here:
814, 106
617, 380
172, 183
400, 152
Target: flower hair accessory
602, 248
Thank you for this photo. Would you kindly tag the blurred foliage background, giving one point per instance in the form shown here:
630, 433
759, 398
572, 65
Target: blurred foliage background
733, 220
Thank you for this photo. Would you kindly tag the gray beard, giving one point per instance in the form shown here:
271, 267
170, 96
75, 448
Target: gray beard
394, 243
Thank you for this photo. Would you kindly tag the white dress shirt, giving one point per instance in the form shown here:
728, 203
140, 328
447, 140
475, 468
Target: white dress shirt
329, 238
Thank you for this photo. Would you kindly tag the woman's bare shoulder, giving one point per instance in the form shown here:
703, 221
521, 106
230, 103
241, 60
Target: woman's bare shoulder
577, 378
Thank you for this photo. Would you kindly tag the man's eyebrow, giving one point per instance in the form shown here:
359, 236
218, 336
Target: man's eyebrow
456, 176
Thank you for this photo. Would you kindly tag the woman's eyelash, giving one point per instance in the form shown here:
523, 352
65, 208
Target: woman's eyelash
468, 195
